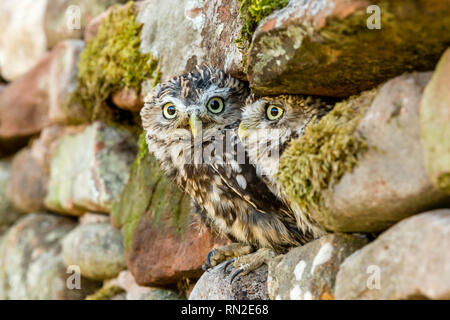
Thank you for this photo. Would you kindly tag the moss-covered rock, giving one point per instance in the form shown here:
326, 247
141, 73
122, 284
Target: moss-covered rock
112, 61
435, 124
252, 12
326, 48
158, 230
361, 167
328, 150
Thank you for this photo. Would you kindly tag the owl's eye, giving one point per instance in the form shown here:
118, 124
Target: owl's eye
169, 111
274, 112
215, 105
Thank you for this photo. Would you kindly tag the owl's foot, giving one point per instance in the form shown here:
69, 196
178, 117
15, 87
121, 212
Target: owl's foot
247, 263
218, 255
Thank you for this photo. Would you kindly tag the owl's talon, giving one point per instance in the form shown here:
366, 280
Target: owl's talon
236, 273
226, 264
221, 254
205, 268
208, 257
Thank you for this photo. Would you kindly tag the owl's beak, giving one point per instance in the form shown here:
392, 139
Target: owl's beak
196, 125
242, 131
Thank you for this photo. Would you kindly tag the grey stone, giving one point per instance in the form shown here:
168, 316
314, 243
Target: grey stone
96, 248
90, 168
31, 265
215, 285
8, 215
309, 272
409, 261
183, 34
27, 186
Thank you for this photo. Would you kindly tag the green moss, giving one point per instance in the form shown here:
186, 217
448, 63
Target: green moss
345, 57
329, 148
106, 293
149, 195
252, 12
112, 61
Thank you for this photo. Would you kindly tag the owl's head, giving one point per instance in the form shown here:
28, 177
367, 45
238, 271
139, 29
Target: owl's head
191, 107
269, 123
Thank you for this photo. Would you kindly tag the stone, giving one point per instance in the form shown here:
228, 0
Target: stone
67, 19
331, 48
49, 86
31, 265
163, 244
128, 99
43, 148
89, 169
22, 38
90, 217
96, 248
183, 34
133, 291
388, 181
28, 183
8, 214
31, 27
435, 125
404, 262
63, 77
309, 272
215, 285
22, 115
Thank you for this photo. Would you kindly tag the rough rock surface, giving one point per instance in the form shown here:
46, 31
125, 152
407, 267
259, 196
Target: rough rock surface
133, 291
48, 86
30, 112
63, 75
30, 27
151, 210
402, 263
63, 22
435, 124
215, 285
309, 272
22, 38
185, 33
31, 265
89, 169
96, 248
7, 212
28, 183
389, 182
330, 48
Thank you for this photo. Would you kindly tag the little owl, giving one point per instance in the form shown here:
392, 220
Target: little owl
199, 113
268, 125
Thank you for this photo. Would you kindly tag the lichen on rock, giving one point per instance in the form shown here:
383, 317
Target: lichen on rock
328, 149
252, 12
112, 61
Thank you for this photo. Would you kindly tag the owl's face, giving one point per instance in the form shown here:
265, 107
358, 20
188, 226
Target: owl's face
191, 108
269, 123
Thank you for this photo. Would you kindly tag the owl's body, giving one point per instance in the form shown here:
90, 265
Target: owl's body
235, 199
268, 125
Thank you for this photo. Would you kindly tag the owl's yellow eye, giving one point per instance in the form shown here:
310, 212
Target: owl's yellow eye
215, 105
274, 112
169, 111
